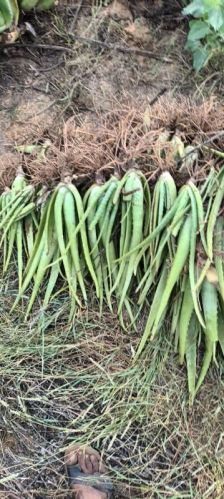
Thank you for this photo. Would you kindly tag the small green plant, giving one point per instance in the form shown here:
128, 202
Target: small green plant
206, 35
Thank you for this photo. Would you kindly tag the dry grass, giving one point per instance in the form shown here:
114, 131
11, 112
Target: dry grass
62, 383
128, 136
9, 163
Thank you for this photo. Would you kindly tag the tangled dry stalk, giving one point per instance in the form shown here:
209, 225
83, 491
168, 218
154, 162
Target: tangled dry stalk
131, 134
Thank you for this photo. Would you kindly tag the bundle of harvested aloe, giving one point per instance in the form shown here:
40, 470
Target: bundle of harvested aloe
129, 238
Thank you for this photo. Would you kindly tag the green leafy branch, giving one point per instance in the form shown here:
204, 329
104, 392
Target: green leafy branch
206, 35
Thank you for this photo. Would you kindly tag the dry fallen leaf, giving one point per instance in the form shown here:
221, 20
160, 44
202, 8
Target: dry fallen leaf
139, 31
119, 9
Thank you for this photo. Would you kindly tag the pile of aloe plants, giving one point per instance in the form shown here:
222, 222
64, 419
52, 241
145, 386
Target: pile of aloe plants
135, 244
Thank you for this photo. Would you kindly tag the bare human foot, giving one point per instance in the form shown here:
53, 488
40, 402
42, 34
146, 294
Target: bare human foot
89, 464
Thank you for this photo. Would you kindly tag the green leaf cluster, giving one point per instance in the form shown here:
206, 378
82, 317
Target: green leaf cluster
206, 34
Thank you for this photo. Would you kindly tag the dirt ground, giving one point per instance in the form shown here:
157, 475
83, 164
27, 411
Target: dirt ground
87, 59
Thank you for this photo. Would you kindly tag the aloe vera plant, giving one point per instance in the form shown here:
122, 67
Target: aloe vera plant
10, 10
9, 14
126, 238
